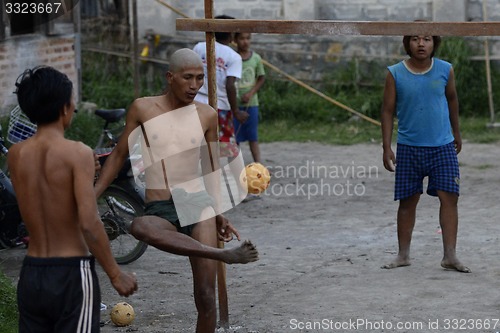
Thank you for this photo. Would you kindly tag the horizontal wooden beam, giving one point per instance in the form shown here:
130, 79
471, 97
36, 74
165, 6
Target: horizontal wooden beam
359, 28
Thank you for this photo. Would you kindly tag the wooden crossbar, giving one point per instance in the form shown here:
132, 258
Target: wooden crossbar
321, 27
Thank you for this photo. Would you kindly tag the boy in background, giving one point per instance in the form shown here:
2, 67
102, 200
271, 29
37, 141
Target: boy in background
227, 72
252, 79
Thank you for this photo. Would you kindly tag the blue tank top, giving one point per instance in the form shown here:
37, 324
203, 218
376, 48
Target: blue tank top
421, 105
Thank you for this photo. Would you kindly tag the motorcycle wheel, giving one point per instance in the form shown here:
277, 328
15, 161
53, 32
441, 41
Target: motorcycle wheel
117, 210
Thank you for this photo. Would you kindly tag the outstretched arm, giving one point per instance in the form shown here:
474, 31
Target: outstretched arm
452, 97
387, 117
115, 160
92, 227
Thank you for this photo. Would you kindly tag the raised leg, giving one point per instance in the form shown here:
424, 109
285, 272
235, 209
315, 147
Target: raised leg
161, 234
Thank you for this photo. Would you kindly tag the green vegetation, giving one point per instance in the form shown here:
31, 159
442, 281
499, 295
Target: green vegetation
108, 81
359, 131
281, 99
290, 112
344, 133
470, 76
360, 86
8, 305
86, 127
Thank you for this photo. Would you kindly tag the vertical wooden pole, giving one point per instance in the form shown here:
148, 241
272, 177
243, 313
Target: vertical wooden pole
2, 25
210, 38
212, 100
77, 24
135, 48
488, 69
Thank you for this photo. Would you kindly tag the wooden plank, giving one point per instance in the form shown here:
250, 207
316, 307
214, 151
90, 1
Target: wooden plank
211, 73
321, 27
135, 51
212, 100
488, 69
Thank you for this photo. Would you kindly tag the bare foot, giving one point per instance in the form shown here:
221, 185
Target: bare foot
397, 263
243, 254
457, 266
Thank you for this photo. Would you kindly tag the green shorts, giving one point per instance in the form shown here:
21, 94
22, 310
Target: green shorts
190, 205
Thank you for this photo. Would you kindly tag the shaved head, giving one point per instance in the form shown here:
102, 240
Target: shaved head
184, 58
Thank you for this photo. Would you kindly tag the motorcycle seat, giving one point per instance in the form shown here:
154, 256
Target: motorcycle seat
111, 115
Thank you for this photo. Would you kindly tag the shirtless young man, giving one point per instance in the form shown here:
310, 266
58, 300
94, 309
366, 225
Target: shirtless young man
198, 240
53, 177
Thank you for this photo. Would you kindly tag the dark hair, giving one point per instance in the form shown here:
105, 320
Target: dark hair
406, 43
42, 92
223, 36
237, 34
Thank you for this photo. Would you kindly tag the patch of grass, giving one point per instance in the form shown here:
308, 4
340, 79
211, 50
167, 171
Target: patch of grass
8, 305
476, 130
485, 166
285, 100
345, 133
86, 127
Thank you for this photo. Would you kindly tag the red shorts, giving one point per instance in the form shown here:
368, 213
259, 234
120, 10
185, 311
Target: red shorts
227, 140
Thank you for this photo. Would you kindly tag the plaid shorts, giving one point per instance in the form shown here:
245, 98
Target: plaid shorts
413, 164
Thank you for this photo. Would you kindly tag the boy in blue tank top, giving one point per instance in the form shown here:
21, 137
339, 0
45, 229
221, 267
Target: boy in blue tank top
421, 91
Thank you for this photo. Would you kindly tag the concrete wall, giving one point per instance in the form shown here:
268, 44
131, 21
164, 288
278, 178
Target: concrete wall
162, 20
309, 57
25, 51
155, 16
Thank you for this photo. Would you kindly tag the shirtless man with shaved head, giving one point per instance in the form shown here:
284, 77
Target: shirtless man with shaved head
183, 132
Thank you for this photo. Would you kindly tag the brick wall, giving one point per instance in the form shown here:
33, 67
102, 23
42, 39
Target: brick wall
26, 51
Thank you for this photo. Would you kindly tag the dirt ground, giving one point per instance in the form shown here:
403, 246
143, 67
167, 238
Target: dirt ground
323, 229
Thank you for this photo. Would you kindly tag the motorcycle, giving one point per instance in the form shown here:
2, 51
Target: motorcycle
13, 233
118, 205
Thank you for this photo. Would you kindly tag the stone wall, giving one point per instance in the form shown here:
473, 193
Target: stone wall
309, 57
154, 15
